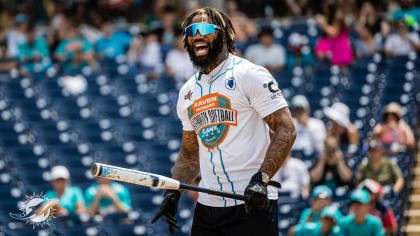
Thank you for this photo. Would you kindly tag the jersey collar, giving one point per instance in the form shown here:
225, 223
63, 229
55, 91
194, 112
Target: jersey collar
219, 68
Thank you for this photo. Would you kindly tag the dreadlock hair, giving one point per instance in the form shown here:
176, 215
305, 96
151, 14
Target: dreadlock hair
220, 19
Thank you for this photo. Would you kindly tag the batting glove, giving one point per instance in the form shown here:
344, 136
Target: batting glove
168, 209
256, 194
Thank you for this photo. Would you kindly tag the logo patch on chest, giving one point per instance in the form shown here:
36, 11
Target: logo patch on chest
230, 83
211, 116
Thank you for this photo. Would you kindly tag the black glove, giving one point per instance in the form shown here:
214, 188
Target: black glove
256, 194
168, 208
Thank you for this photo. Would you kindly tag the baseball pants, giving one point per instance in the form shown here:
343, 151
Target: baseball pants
228, 221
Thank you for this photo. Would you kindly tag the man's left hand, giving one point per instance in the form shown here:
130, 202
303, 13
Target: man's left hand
256, 194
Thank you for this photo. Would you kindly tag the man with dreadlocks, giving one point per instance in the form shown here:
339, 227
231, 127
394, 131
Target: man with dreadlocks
226, 110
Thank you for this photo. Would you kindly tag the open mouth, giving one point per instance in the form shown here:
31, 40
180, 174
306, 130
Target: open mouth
201, 49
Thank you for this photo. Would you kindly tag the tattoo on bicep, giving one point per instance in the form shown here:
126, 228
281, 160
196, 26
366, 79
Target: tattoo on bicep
187, 166
282, 141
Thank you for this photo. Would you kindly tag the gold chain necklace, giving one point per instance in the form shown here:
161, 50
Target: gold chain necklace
221, 67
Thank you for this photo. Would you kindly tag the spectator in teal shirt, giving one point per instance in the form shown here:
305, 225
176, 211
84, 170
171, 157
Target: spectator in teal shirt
408, 10
328, 226
113, 44
34, 54
105, 197
321, 197
360, 222
75, 52
70, 198
299, 55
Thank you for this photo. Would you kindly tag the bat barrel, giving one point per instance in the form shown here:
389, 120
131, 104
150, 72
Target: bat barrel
150, 180
133, 176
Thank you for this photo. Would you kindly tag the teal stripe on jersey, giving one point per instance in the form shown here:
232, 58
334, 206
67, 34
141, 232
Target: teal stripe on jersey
198, 84
217, 177
227, 176
224, 72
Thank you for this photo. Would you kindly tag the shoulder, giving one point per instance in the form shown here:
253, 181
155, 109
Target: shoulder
172, 53
306, 212
188, 85
373, 219
413, 35
245, 70
185, 91
387, 161
316, 122
392, 37
75, 189
50, 194
347, 219
249, 69
278, 47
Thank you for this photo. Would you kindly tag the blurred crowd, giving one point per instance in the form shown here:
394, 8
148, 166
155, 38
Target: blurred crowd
378, 174
69, 36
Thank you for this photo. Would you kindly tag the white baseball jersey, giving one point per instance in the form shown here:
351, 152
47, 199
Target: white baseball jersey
226, 108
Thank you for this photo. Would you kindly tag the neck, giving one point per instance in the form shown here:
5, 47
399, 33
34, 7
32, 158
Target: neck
222, 56
376, 162
324, 230
360, 219
303, 119
60, 192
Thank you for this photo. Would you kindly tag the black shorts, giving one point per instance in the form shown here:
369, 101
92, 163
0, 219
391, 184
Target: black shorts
234, 221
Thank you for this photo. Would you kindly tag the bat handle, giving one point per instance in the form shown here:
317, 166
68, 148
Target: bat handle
213, 192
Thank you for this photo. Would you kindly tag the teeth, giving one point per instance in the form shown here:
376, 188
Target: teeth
201, 45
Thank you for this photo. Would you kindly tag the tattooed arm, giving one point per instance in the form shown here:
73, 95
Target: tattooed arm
284, 136
187, 166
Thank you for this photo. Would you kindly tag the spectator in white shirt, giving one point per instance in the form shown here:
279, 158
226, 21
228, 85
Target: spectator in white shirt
146, 51
310, 131
178, 63
152, 55
294, 178
402, 42
18, 35
267, 53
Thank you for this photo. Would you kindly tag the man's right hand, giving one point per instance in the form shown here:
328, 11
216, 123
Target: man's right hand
168, 209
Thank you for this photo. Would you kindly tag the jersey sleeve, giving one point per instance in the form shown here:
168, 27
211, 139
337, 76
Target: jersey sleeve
182, 111
300, 230
389, 219
50, 195
79, 195
262, 91
396, 171
89, 196
305, 214
378, 228
125, 198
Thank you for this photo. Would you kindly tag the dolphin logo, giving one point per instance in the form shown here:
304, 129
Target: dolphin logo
31, 214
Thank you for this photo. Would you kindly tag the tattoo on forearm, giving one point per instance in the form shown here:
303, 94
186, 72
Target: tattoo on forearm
187, 166
282, 141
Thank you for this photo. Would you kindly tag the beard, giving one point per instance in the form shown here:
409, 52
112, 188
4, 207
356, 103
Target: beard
215, 48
